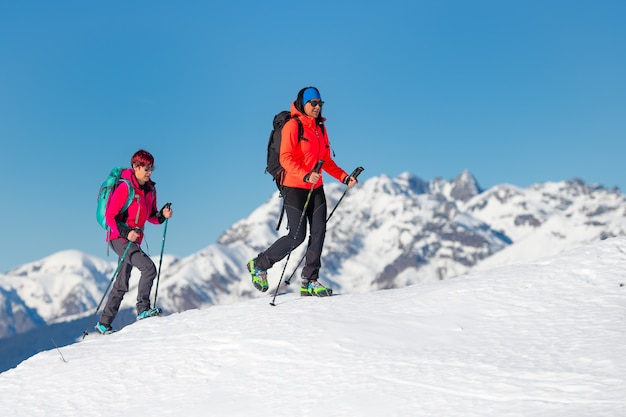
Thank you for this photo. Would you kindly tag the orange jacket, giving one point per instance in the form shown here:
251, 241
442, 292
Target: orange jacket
299, 157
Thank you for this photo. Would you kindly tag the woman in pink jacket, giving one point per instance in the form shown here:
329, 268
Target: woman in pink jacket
127, 229
298, 156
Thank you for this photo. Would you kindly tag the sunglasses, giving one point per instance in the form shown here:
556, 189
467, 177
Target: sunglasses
316, 103
149, 168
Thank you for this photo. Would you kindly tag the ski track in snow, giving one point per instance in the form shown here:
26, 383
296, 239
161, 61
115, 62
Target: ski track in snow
540, 339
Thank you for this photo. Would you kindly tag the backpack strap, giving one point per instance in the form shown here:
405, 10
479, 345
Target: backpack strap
300, 128
131, 194
321, 125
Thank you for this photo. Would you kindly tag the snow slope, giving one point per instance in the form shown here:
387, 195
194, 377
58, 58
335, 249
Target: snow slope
540, 339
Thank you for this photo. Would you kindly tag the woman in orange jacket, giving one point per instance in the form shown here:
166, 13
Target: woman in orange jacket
298, 156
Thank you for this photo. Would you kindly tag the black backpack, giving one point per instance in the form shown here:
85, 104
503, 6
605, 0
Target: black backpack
273, 147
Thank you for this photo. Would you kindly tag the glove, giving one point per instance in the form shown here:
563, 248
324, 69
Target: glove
123, 229
160, 216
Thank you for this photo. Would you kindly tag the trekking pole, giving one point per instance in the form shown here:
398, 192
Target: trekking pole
354, 174
317, 168
119, 264
156, 291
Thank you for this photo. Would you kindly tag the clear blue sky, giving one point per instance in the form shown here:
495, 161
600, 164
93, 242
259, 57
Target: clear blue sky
517, 92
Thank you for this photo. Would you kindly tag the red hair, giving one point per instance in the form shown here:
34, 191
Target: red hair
142, 158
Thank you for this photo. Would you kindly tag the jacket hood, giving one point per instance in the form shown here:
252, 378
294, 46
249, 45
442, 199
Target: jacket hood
306, 120
129, 174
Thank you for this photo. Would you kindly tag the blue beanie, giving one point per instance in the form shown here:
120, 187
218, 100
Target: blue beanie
309, 94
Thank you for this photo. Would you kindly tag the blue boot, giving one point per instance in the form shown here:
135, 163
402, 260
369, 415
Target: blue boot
104, 328
151, 312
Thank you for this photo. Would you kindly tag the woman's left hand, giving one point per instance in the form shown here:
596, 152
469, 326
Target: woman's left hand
350, 181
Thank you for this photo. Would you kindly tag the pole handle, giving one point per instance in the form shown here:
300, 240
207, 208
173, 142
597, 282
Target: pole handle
318, 166
357, 171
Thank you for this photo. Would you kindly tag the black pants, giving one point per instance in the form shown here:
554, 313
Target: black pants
315, 216
135, 257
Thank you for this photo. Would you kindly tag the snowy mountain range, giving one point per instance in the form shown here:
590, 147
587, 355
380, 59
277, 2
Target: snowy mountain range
387, 233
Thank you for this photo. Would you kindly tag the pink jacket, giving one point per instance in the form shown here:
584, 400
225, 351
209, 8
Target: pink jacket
143, 207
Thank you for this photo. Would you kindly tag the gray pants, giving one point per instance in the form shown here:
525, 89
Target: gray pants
135, 257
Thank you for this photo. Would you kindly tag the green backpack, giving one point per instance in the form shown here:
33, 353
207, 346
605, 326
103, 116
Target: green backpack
106, 190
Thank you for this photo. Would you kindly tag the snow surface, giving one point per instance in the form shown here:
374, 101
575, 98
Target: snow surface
540, 339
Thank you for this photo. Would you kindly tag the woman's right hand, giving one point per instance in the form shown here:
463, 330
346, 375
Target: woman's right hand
133, 235
313, 177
